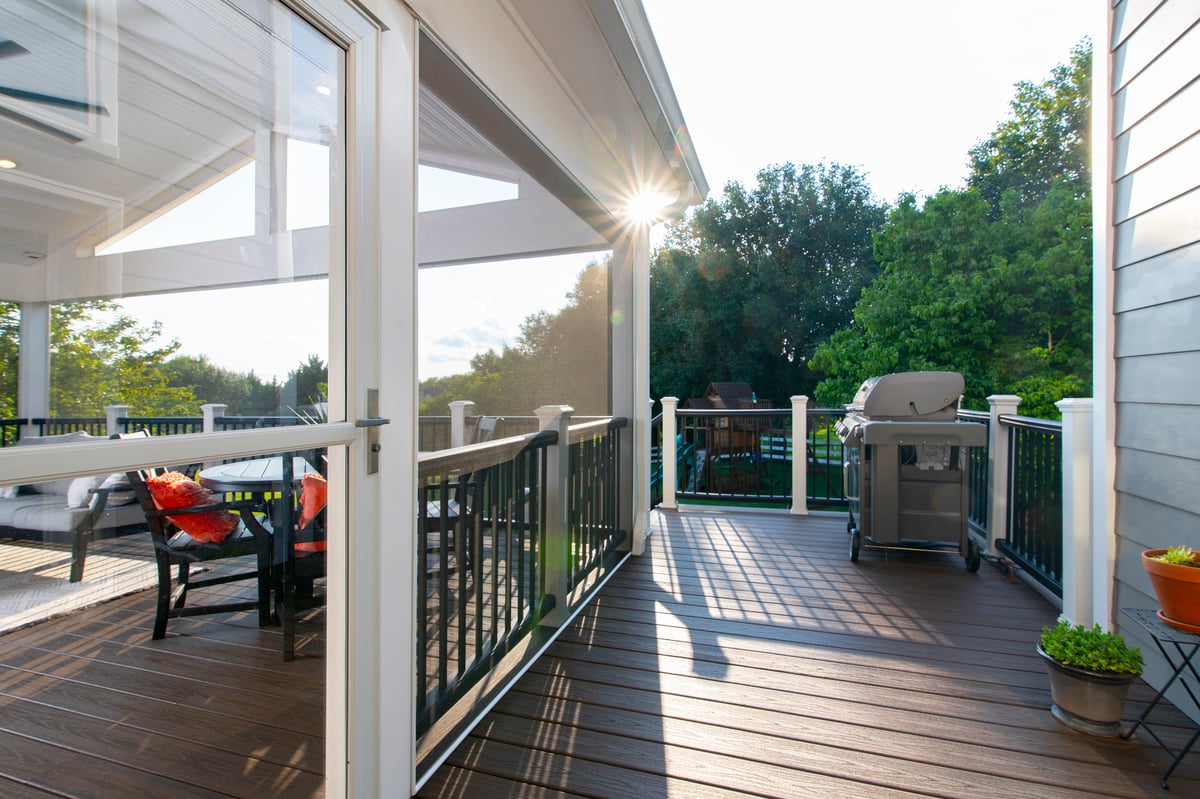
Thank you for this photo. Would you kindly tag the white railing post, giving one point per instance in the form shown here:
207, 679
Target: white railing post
111, 414
556, 561
998, 442
799, 455
210, 412
459, 411
670, 468
1077, 578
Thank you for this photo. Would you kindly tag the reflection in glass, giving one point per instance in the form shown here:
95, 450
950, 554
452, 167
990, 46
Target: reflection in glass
168, 226
513, 287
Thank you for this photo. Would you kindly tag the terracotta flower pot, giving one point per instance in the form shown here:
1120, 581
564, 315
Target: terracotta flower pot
1178, 591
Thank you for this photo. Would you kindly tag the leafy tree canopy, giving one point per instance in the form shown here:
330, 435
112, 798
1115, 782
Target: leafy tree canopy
748, 286
101, 356
244, 393
993, 281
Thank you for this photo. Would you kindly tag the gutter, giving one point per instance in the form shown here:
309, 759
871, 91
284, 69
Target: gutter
626, 29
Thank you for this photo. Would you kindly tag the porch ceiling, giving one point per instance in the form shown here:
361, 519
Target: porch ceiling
172, 113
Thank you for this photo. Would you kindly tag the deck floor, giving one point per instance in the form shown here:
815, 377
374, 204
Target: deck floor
90, 706
744, 655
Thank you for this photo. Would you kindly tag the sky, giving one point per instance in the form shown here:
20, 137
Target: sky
901, 91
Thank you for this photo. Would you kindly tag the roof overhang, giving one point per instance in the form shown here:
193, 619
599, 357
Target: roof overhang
584, 79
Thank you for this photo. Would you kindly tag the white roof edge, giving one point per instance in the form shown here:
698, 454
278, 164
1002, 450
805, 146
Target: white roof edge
626, 27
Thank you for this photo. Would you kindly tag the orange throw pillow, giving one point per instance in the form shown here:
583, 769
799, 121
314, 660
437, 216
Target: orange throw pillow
176, 490
314, 493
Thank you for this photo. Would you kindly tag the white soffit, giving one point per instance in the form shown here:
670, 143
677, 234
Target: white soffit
552, 67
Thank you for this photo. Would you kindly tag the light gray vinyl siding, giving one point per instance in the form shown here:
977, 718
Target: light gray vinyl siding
1155, 157
1157, 132
1171, 175
1158, 428
1155, 281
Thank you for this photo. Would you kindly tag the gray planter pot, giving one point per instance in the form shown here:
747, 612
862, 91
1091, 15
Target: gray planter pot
1088, 701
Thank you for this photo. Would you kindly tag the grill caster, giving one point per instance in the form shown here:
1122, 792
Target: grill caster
973, 557
856, 543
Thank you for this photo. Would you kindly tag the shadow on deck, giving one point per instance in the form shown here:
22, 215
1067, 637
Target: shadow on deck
744, 655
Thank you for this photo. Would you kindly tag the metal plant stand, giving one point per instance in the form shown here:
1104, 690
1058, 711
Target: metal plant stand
1180, 656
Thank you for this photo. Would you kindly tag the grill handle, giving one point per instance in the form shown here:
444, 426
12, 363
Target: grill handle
846, 466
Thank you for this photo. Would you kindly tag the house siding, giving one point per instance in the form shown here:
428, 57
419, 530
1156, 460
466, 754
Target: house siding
1155, 153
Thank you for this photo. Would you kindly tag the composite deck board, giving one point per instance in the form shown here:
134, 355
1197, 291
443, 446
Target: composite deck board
90, 706
745, 655
742, 655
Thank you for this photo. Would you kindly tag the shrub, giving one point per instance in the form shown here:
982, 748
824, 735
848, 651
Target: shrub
1094, 649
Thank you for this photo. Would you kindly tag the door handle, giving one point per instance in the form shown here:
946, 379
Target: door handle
372, 423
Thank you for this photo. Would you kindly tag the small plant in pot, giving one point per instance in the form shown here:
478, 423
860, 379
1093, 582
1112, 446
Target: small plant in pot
1090, 674
1175, 575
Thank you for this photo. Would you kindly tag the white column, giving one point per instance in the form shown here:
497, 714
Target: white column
1104, 494
111, 414
33, 370
558, 475
799, 455
998, 466
630, 331
1077, 526
459, 411
670, 469
210, 412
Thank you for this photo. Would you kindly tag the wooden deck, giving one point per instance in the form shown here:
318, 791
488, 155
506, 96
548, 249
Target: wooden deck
90, 706
743, 655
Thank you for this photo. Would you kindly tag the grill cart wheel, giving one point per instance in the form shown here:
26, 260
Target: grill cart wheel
855, 543
973, 557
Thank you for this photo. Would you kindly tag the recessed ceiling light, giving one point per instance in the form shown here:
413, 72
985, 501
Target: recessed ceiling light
324, 90
8, 163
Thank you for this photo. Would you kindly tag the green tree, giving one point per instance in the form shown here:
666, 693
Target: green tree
99, 356
10, 352
1043, 142
748, 286
306, 385
245, 394
993, 281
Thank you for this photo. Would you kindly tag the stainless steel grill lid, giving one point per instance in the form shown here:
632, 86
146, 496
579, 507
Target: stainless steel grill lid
919, 408
926, 396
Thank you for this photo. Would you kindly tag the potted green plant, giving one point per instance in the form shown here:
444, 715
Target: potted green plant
1175, 575
1090, 674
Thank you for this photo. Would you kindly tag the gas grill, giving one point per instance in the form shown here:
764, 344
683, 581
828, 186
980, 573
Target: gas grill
905, 464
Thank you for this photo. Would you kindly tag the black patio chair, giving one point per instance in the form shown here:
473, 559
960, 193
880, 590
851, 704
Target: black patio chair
177, 551
299, 561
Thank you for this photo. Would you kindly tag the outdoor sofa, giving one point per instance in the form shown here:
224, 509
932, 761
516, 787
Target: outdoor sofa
74, 511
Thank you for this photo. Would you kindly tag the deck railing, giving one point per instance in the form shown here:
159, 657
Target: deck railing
162, 425
513, 533
594, 498
977, 476
745, 457
92, 425
480, 528
10, 431
1034, 538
